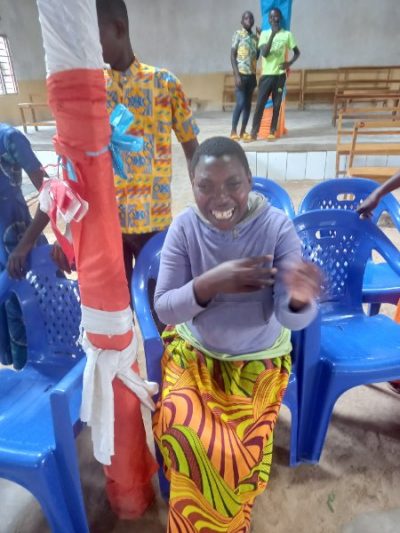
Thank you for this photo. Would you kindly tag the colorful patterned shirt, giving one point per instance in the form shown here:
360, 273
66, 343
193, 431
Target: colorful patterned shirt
246, 45
156, 99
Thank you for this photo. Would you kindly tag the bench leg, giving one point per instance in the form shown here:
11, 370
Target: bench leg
23, 120
34, 118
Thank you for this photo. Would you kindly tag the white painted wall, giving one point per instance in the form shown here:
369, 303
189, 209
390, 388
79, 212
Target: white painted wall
19, 22
334, 33
194, 36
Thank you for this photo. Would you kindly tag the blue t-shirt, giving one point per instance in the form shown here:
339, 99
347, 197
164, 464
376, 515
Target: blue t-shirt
15, 155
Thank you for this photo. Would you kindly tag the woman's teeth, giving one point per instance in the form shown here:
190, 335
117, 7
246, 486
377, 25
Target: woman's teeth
223, 215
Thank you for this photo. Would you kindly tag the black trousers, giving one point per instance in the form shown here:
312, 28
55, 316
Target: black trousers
244, 96
268, 85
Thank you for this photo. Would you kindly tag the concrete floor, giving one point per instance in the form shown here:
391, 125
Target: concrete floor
354, 489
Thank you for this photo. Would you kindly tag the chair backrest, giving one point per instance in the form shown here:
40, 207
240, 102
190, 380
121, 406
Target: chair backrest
50, 306
146, 268
276, 195
347, 194
340, 243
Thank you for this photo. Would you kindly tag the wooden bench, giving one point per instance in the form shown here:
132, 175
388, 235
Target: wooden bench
31, 108
385, 134
365, 84
294, 86
345, 128
228, 95
318, 85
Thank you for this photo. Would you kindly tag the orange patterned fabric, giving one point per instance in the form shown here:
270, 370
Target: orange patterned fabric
159, 105
214, 426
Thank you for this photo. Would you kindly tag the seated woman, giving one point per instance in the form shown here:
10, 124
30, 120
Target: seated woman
231, 285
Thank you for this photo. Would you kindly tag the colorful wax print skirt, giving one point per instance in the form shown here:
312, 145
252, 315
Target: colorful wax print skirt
214, 426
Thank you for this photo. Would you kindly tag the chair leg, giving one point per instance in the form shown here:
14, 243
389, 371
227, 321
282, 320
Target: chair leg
291, 401
373, 309
164, 483
47, 487
44, 482
314, 420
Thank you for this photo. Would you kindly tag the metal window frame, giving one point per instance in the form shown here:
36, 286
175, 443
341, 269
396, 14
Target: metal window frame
7, 78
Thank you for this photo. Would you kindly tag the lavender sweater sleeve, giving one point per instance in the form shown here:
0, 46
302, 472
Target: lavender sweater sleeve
174, 298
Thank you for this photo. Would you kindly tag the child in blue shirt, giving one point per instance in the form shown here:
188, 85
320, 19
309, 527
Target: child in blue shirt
15, 155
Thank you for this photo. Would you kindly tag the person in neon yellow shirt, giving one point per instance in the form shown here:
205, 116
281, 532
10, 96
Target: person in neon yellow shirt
274, 45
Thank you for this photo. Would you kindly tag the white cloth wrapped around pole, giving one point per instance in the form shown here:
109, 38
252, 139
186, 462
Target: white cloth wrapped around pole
70, 35
97, 408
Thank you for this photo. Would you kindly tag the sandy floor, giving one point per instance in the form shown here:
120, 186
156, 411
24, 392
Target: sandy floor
359, 471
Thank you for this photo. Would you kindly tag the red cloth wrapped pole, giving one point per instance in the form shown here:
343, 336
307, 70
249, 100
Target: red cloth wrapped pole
77, 98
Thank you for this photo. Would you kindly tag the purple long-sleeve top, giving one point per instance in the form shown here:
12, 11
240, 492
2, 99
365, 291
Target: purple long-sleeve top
230, 323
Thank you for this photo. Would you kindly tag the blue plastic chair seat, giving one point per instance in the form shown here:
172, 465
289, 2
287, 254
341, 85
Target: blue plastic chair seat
26, 418
378, 353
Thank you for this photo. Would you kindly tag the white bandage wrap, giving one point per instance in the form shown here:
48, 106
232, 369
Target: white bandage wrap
97, 408
70, 35
106, 322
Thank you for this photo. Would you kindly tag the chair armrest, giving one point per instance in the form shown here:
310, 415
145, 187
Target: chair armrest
392, 206
383, 245
72, 379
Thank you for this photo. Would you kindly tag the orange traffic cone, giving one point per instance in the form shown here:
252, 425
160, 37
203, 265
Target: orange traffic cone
266, 123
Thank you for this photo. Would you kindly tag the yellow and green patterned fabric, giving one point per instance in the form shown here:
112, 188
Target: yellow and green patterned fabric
246, 45
214, 426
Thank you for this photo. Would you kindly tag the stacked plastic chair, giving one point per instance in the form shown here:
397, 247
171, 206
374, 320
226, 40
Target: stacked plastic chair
381, 283
276, 194
355, 349
39, 405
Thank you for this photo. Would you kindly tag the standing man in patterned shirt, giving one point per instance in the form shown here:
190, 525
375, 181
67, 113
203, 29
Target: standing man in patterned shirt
156, 99
244, 55
159, 105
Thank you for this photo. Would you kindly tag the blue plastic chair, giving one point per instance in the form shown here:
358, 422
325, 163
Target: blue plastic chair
276, 194
381, 283
39, 405
146, 268
355, 349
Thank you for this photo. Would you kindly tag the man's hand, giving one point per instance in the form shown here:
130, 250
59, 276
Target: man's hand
16, 265
59, 258
237, 276
303, 281
368, 205
285, 66
238, 82
258, 31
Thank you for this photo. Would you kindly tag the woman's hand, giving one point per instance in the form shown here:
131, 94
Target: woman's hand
240, 275
303, 281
